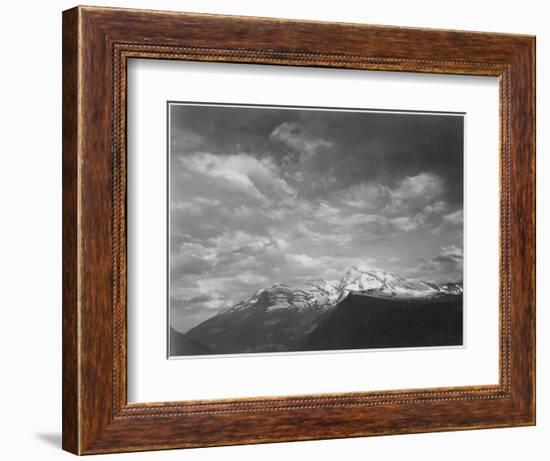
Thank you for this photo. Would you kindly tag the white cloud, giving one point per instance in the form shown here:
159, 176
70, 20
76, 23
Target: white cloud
452, 250
195, 206
414, 193
315, 232
455, 218
257, 178
435, 208
451, 222
195, 249
303, 260
405, 223
194, 297
293, 136
249, 278
238, 240
424, 185
239, 245
365, 196
255, 202
416, 202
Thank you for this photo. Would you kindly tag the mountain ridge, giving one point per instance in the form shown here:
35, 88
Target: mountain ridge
324, 293
285, 317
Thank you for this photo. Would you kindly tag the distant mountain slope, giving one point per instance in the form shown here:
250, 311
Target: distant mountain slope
365, 322
260, 327
285, 317
181, 344
313, 294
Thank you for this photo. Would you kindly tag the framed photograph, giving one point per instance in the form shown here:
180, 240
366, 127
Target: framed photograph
282, 230
284, 223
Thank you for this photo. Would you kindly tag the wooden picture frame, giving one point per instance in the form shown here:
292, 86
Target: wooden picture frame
97, 43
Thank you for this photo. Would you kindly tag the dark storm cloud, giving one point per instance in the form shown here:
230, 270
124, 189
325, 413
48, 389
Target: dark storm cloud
448, 264
353, 147
264, 195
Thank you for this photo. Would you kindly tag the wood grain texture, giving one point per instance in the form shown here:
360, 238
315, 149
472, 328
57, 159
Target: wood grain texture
97, 42
70, 384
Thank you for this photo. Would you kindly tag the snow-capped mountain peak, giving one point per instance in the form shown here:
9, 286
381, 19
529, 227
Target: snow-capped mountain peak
381, 283
322, 294
309, 294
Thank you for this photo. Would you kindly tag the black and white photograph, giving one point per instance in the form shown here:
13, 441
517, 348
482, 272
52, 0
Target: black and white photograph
275, 230
313, 229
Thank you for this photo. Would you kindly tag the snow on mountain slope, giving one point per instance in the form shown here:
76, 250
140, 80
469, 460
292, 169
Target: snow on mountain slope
380, 283
453, 288
322, 294
282, 317
307, 295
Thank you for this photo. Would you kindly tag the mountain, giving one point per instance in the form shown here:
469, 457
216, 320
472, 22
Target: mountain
273, 320
365, 322
286, 317
313, 294
181, 344
383, 284
454, 288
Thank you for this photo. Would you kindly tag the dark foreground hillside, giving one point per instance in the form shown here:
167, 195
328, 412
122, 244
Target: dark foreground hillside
363, 322
356, 322
259, 329
181, 344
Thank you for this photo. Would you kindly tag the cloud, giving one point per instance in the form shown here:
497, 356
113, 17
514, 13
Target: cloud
255, 177
294, 136
451, 223
416, 202
212, 292
316, 232
300, 238
448, 265
406, 223
303, 260
226, 251
365, 196
424, 185
414, 193
208, 300
450, 260
240, 241
195, 206
435, 208
249, 278
454, 218
445, 266
259, 197
185, 140
452, 251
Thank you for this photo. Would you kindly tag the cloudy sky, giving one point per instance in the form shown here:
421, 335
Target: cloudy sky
265, 195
